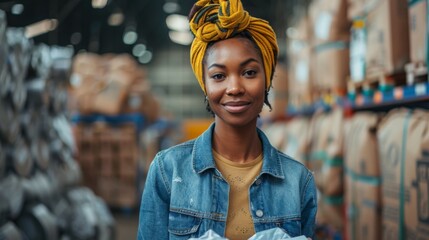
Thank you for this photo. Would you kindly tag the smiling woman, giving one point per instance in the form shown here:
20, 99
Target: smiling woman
232, 180
234, 79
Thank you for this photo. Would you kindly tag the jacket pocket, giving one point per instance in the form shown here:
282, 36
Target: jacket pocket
291, 227
183, 225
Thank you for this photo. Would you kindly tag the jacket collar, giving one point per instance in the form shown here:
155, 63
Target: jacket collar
202, 156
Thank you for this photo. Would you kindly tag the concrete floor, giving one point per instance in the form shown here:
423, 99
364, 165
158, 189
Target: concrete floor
126, 224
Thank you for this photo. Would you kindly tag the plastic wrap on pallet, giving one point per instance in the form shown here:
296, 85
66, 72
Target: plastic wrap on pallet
90, 218
4, 74
20, 159
10, 231
65, 173
20, 49
30, 125
9, 124
37, 95
11, 197
38, 222
38, 187
61, 63
40, 62
2, 161
41, 153
64, 130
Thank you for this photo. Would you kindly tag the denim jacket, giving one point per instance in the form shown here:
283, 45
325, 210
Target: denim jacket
185, 195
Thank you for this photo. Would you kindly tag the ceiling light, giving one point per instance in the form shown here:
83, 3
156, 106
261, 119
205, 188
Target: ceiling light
17, 9
183, 38
139, 50
130, 37
99, 3
177, 22
116, 19
40, 27
146, 57
171, 7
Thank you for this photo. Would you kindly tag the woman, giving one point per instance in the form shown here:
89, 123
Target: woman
230, 179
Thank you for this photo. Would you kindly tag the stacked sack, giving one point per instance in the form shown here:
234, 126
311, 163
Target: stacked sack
325, 147
403, 138
362, 177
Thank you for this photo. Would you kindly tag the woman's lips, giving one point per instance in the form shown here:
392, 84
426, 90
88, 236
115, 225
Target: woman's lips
236, 107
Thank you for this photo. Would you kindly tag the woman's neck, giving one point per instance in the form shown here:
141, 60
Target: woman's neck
237, 144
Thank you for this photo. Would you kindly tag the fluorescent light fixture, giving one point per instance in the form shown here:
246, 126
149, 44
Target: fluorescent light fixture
139, 49
177, 22
17, 9
146, 57
99, 3
130, 37
115, 19
183, 38
171, 7
40, 27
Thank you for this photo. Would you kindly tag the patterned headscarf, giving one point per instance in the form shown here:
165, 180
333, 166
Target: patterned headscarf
213, 20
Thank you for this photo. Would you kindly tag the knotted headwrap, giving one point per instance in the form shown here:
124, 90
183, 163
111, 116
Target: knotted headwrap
222, 19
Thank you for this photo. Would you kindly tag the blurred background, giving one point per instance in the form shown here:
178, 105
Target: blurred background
91, 90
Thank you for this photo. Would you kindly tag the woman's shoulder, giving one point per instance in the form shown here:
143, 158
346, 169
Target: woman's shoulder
291, 162
184, 148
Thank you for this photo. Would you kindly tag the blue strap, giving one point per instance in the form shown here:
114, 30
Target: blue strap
370, 180
402, 184
412, 2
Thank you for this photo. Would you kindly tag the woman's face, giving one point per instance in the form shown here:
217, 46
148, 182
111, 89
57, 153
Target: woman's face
235, 81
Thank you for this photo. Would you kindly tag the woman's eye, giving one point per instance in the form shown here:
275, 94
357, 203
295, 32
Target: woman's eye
217, 76
250, 73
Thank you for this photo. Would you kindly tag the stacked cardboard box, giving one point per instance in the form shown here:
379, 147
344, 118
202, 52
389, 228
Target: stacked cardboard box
418, 32
417, 12
380, 41
330, 40
109, 157
299, 55
111, 84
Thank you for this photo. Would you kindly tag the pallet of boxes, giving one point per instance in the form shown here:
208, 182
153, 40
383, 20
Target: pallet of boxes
113, 102
379, 47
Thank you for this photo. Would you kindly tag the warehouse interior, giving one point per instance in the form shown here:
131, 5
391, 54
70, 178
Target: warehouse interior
91, 90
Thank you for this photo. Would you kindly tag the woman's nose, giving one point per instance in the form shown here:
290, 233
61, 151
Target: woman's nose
234, 86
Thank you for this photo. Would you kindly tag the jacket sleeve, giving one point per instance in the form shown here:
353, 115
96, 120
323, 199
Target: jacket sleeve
309, 206
154, 207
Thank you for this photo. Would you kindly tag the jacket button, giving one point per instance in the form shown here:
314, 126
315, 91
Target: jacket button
259, 213
258, 181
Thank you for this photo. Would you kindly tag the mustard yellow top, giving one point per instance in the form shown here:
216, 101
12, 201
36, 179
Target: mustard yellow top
239, 223
213, 20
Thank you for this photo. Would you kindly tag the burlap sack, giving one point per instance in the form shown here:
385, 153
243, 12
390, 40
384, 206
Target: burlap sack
362, 177
404, 153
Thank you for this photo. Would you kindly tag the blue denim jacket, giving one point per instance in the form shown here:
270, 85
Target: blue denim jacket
185, 195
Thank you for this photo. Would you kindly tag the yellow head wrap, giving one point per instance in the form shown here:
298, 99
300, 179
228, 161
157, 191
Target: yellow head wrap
222, 19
